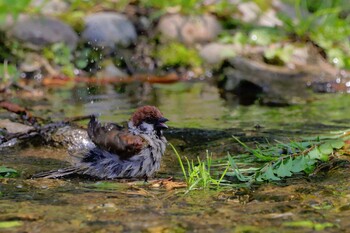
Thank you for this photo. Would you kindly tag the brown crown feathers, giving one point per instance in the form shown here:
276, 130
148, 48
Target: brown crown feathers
146, 113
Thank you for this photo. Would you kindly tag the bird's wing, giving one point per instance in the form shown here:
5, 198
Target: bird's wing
113, 138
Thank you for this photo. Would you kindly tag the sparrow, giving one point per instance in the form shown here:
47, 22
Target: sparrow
112, 151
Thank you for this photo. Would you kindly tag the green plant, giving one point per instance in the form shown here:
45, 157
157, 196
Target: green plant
6, 172
13, 8
199, 175
8, 72
61, 55
266, 163
325, 26
265, 35
177, 54
184, 6
279, 55
10, 224
300, 157
309, 224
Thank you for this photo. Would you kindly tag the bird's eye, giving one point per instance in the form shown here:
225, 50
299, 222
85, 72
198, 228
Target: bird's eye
150, 120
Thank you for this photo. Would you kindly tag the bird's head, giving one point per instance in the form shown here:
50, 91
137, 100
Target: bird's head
149, 118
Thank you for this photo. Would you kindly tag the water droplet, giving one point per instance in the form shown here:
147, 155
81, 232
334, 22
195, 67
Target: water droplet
38, 76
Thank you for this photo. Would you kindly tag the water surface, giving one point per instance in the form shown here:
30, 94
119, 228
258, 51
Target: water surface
200, 119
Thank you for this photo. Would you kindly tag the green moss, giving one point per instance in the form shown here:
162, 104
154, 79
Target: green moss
176, 54
184, 6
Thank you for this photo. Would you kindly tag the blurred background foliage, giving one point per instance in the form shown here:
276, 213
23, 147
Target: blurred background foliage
326, 24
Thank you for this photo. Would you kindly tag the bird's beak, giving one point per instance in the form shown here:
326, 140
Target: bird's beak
161, 123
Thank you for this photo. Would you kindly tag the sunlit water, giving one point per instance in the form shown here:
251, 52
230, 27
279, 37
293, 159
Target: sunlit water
78, 206
198, 105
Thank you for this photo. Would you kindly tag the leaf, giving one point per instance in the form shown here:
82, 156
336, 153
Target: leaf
283, 170
326, 148
322, 226
337, 144
309, 224
324, 157
236, 171
8, 172
305, 223
289, 163
9, 224
269, 174
315, 153
299, 164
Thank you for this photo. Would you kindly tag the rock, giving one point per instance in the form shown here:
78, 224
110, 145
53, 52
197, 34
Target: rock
107, 29
215, 53
51, 7
286, 9
249, 11
273, 85
13, 127
30, 63
109, 70
39, 31
189, 29
270, 19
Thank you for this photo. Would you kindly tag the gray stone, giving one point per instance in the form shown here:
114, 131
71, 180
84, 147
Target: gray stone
190, 29
109, 70
269, 19
106, 30
215, 53
13, 127
39, 31
249, 11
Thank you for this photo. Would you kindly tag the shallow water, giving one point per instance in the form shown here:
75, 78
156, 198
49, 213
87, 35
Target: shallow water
199, 120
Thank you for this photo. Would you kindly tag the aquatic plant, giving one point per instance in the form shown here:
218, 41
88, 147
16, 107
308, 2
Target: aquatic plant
271, 162
199, 174
296, 158
6, 172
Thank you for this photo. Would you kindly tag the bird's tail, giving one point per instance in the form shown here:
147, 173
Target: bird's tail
53, 174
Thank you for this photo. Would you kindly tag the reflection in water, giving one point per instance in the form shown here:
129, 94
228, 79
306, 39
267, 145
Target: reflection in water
197, 105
